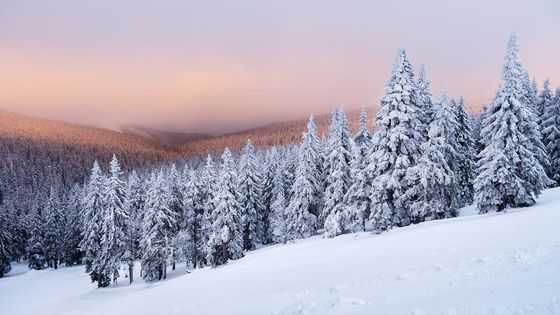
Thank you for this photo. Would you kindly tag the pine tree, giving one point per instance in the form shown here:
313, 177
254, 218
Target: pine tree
433, 180
424, 99
250, 193
268, 171
226, 240
303, 207
190, 226
509, 172
465, 155
113, 224
396, 148
93, 217
53, 233
357, 198
338, 179
72, 254
5, 244
278, 223
176, 183
208, 189
36, 248
158, 227
545, 98
551, 136
134, 205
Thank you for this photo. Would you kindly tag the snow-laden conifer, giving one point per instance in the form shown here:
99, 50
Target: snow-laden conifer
158, 229
396, 148
304, 204
93, 217
551, 136
334, 212
226, 240
357, 197
509, 173
250, 194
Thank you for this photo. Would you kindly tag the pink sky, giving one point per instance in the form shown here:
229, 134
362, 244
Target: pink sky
216, 66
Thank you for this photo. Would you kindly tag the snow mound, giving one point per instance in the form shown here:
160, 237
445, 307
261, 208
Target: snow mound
500, 263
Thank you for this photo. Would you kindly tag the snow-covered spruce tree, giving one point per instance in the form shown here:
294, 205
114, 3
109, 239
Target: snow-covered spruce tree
53, 233
545, 98
250, 194
113, 224
396, 148
335, 211
187, 237
278, 223
5, 244
226, 240
158, 227
508, 171
465, 155
551, 136
35, 248
424, 99
268, 170
433, 180
306, 191
208, 188
357, 197
176, 183
72, 254
18, 227
532, 125
92, 220
134, 205
290, 163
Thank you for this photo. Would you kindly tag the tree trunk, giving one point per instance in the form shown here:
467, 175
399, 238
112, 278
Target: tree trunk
164, 271
130, 271
173, 265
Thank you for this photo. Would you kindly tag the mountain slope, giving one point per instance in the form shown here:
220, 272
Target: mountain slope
504, 263
167, 138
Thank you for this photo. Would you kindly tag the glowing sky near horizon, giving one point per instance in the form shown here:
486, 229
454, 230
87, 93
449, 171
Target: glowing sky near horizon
217, 66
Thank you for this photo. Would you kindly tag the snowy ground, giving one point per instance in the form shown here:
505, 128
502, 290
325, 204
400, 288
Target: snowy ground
506, 263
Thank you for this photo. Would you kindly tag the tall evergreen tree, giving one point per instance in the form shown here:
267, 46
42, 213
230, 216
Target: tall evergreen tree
424, 99
72, 254
551, 136
36, 247
226, 240
268, 171
545, 98
53, 233
465, 155
396, 148
134, 205
158, 229
509, 173
93, 217
338, 180
303, 207
278, 223
433, 180
208, 190
5, 244
357, 197
176, 184
250, 194
113, 223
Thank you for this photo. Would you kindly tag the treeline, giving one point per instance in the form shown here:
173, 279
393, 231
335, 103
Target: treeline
425, 160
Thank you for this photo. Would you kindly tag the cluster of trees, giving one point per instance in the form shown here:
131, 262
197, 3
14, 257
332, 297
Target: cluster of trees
425, 160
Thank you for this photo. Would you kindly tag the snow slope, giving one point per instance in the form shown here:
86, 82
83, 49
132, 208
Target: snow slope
505, 263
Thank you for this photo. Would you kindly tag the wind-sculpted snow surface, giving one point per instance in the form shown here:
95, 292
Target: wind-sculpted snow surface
498, 263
